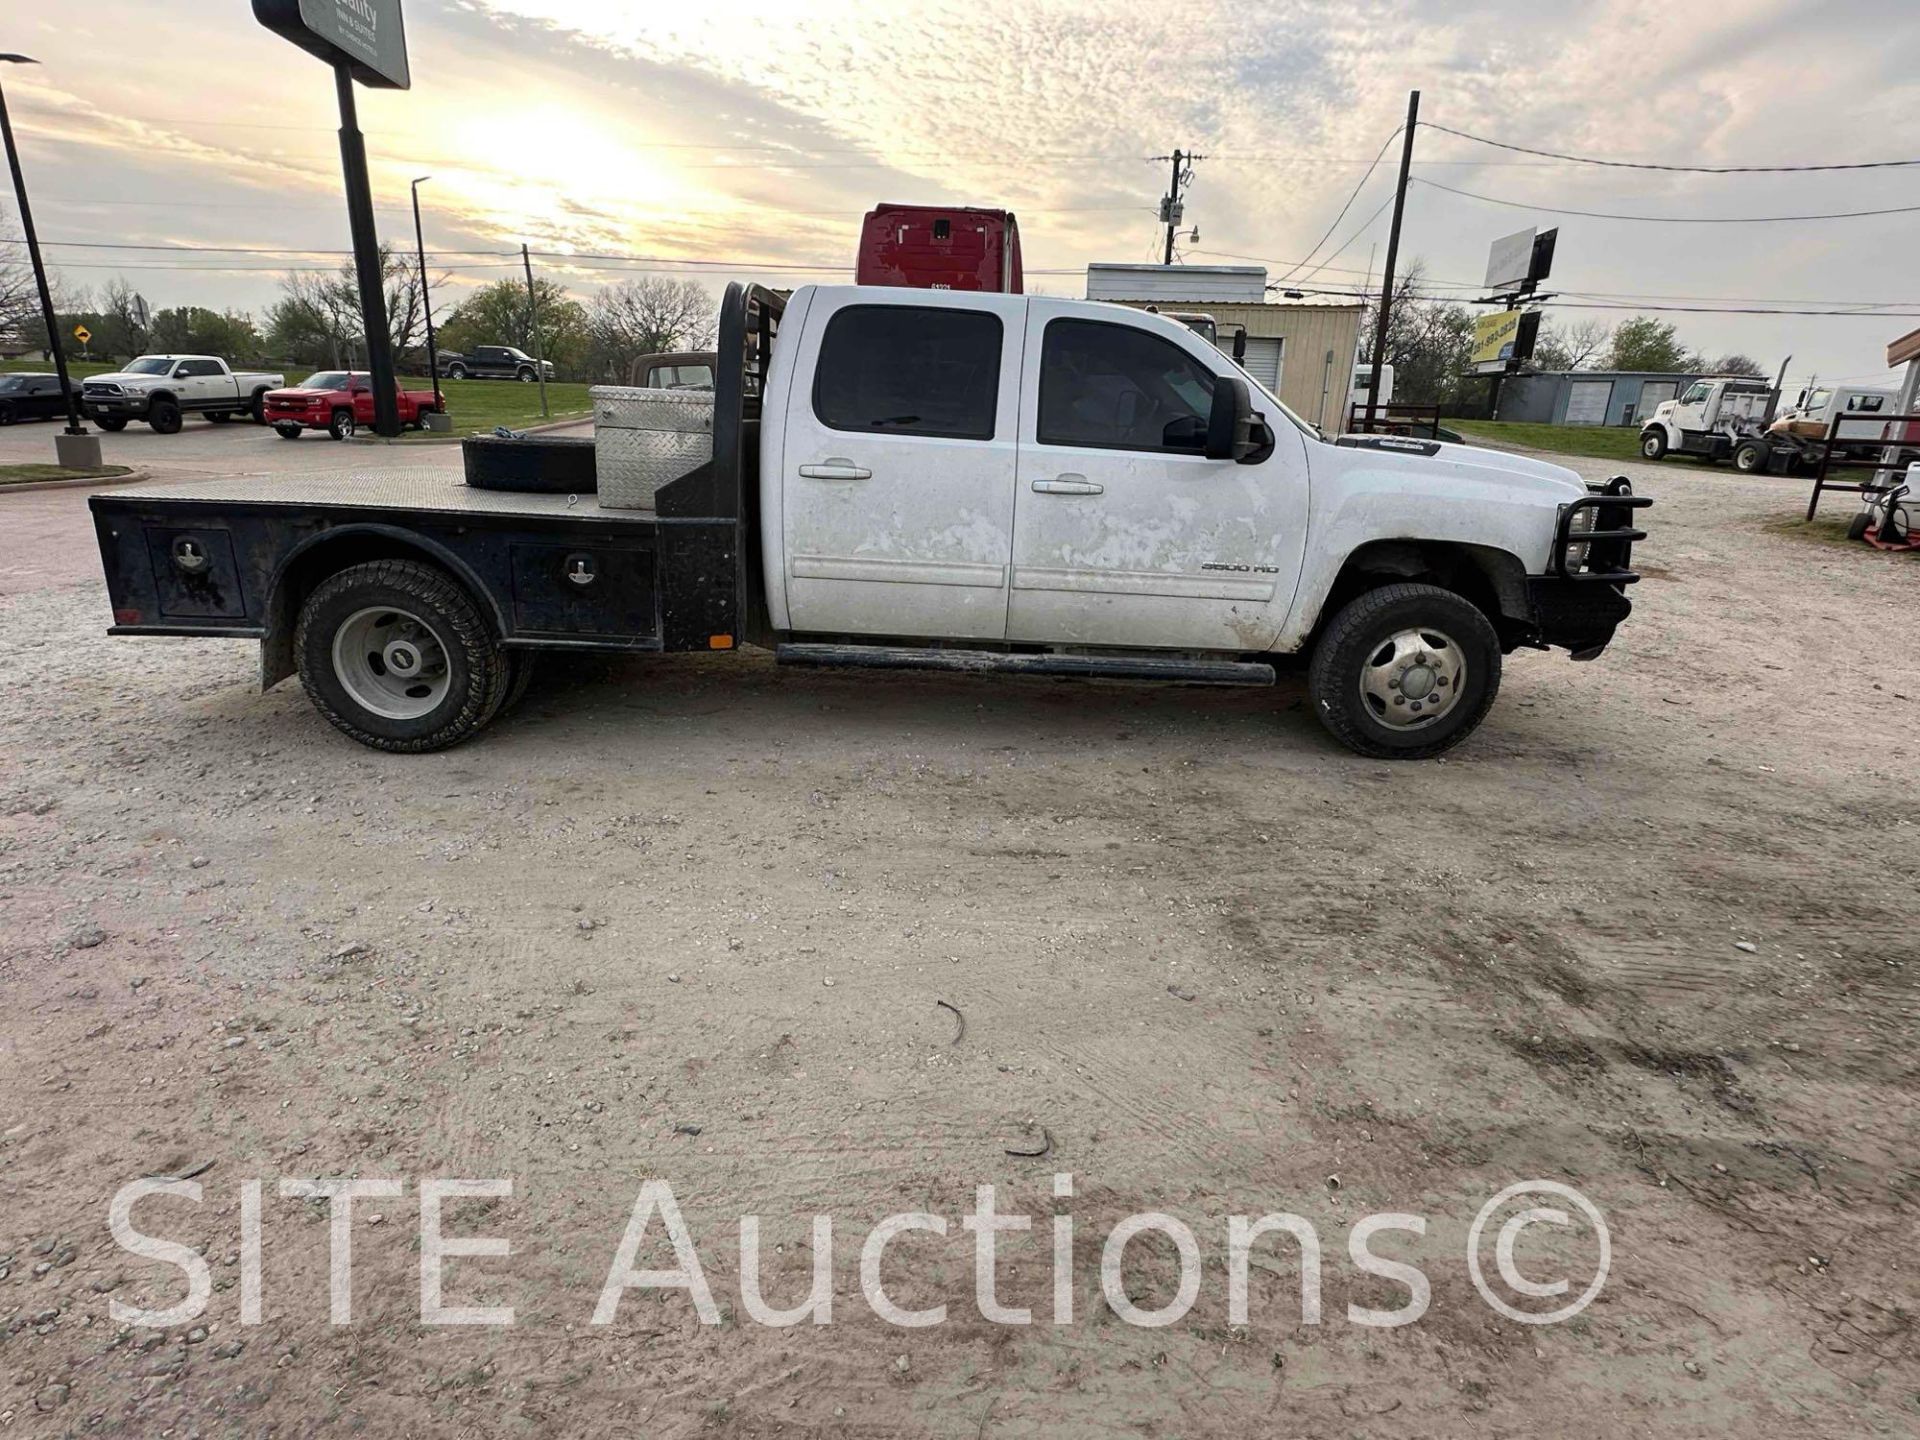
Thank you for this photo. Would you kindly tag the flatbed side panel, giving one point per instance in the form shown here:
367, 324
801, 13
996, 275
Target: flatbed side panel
236, 567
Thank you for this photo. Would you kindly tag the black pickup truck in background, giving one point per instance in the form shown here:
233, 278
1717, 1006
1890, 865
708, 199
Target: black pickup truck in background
495, 362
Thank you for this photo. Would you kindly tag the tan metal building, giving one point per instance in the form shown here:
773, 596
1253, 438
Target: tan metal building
1303, 352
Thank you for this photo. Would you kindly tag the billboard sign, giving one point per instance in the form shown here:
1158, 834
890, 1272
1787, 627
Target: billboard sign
1510, 260
1494, 338
369, 35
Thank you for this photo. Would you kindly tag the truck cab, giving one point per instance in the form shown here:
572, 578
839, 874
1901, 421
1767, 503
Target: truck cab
1710, 419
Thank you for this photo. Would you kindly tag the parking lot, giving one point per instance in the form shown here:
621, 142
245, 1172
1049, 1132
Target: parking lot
806, 943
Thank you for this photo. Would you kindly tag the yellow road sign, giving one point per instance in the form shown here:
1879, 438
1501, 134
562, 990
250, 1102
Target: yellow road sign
82, 334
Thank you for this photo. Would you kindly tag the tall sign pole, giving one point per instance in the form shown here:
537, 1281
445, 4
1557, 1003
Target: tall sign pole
366, 260
1393, 254
365, 41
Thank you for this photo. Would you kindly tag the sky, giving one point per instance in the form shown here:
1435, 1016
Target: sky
726, 139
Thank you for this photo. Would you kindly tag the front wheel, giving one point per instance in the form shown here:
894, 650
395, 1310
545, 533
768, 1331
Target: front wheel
399, 657
341, 426
1653, 444
164, 417
524, 375
456, 372
1404, 672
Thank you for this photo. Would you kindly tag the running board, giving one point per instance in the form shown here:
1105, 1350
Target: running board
981, 662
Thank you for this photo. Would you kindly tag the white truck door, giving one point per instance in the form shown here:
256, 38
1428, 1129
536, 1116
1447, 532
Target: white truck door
1124, 532
897, 468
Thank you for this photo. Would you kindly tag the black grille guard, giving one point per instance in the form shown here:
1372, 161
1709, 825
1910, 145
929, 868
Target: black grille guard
1610, 542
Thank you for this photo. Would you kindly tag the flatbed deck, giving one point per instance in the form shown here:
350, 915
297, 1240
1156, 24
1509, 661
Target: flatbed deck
428, 490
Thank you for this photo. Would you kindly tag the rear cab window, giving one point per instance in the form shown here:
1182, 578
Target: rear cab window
910, 370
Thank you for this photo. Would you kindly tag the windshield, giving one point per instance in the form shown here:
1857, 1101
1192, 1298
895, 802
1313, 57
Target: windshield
518, 354
150, 365
327, 380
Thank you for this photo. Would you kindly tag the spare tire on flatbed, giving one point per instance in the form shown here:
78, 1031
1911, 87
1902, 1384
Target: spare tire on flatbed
533, 464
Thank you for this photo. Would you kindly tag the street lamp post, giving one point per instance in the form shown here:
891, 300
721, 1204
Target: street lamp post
426, 297
77, 449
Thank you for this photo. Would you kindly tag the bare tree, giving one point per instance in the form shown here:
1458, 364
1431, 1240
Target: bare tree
645, 316
317, 319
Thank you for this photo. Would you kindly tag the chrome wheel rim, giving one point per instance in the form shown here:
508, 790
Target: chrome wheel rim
346, 426
391, 663
1413, 678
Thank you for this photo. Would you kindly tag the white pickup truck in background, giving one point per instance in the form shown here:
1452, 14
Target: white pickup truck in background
162, 389
957, 481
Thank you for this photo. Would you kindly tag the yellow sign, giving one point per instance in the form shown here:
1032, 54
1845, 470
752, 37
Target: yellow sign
1493, 337
82, 334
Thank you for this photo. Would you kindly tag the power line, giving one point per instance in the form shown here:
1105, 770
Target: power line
1366, 176
1667, 219
1681, 169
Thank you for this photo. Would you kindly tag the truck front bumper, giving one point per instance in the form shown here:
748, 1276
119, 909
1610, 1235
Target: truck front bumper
1576, 617
115, 406
1582, 598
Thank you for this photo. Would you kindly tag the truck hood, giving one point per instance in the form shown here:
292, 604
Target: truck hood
301, 392
124, 378
1554, 483
1547, 476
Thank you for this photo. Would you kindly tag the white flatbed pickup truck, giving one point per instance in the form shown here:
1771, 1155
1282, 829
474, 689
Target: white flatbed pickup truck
163, 389
920, 479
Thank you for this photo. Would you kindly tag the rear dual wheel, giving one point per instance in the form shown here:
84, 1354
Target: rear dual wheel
396, 655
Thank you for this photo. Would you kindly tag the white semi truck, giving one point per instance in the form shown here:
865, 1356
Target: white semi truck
938, 480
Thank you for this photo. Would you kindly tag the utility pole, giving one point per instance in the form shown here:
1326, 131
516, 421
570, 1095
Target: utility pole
1170, 207
1393, 254
366, 259
539, 347
426, 296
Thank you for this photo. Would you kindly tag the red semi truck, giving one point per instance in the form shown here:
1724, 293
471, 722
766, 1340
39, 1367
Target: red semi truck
940, 247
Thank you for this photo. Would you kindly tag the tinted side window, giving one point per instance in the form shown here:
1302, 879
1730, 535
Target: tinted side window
1113, 387
907, 370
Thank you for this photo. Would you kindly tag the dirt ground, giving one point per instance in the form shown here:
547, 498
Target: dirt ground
1648, 934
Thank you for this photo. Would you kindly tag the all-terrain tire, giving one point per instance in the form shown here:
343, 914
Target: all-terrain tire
478, 673
1365, 629
164, 417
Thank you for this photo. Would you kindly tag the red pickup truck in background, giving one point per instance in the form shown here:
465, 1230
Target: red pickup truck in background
338, 402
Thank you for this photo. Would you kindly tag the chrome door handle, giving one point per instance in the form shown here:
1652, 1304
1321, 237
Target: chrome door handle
1069, 485
836, 469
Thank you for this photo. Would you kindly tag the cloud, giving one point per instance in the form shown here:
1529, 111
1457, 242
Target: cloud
739, 130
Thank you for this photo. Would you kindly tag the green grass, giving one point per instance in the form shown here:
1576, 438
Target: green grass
29, 474
483, 404
1601, 442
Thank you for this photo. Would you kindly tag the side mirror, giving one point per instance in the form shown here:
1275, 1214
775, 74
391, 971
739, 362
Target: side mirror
1230, 424
1240, 346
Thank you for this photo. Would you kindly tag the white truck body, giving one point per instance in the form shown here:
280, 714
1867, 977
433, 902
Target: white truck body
1712, 418
160, 389
924, 479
